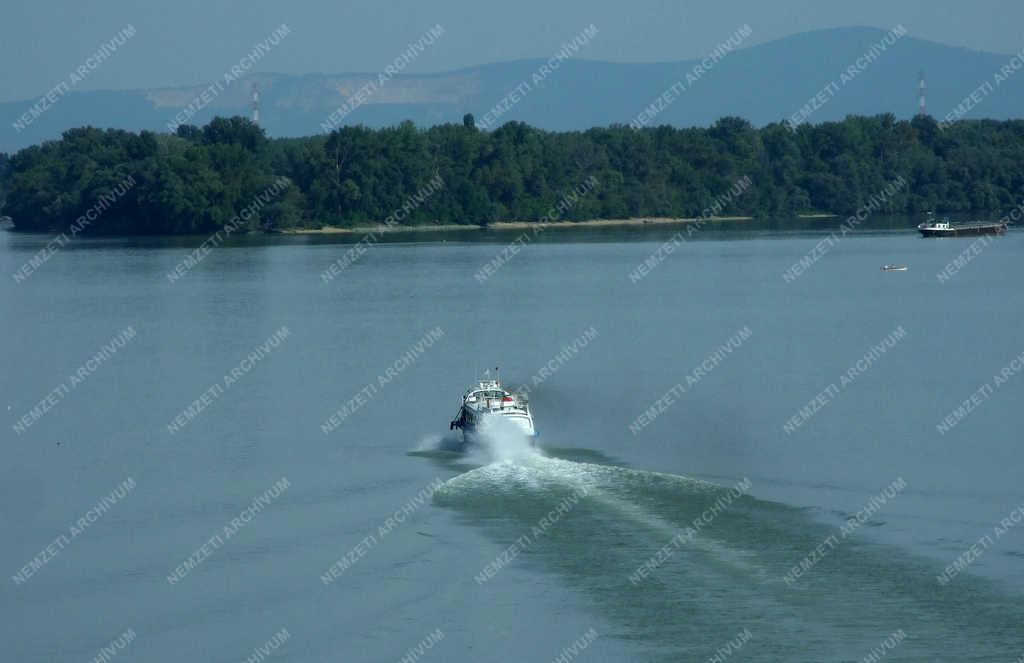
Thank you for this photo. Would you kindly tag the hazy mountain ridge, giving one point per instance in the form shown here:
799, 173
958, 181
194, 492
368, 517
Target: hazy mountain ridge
763, 83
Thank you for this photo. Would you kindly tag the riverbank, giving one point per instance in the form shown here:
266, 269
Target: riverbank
511, 225
7, 224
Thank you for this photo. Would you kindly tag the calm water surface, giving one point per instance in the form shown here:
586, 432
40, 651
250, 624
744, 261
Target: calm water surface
618, 496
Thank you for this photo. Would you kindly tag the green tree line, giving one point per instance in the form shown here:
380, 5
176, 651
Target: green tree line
200, 178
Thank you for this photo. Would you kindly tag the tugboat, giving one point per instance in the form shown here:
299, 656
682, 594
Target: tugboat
488, 398
933, 228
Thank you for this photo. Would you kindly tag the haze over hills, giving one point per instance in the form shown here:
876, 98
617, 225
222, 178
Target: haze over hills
764, 83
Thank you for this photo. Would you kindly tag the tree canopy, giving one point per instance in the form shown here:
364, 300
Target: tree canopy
198, 179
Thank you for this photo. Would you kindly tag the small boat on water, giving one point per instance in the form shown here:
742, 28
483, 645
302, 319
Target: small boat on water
943, 228
894, 268
489, 399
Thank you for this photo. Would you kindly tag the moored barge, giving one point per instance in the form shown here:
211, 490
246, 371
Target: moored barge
943, 228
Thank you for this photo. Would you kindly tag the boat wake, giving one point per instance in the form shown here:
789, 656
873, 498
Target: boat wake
622, 538
497, 440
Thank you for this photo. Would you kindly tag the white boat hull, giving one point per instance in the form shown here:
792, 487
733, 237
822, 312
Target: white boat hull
489, 405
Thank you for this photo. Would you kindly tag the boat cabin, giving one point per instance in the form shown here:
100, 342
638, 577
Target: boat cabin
931, 224
489, 394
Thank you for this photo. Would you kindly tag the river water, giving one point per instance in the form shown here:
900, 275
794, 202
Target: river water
247, 460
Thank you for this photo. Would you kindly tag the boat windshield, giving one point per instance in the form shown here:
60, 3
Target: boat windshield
487, 394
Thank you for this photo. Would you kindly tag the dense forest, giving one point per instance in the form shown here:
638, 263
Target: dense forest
199, 179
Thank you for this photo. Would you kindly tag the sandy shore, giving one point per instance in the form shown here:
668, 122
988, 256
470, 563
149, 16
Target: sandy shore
509, 225
362, 230
650, 221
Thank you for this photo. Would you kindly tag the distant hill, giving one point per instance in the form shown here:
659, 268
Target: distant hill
764, 84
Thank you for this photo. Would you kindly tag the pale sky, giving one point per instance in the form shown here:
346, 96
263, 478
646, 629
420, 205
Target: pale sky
192, 41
